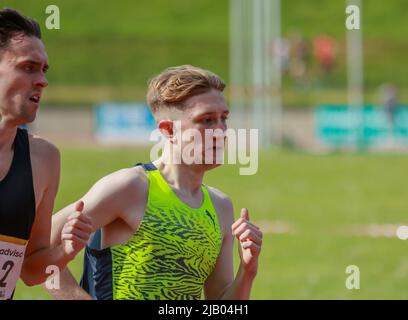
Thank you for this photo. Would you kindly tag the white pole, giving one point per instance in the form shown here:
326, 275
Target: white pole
257, 70
248, 44
237, 61
274, 116
355, 80
268, 57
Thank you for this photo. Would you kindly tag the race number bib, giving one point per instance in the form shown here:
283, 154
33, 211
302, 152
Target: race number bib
11, 261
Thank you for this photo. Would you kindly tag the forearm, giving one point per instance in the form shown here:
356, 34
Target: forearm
35, 265
68, 236
240, 289
69, 288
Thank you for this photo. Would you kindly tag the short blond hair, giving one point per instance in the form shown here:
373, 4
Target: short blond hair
173, 86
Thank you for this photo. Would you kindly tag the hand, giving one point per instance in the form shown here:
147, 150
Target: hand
250, 242
76, 231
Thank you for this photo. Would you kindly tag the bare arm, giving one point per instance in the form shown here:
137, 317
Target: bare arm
105, 202
69, 288
38, 256
221, 283
249, 238
222, 276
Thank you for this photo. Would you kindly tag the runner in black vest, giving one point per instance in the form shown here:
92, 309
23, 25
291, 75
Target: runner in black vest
29, 165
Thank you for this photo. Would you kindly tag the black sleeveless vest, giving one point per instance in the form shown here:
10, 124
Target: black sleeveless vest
17, 199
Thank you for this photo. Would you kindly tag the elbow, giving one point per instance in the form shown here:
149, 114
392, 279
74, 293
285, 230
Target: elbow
32, 279
30, 282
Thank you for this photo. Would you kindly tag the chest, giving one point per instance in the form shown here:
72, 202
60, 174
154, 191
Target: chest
39, 174
17, 200
6, 160
121, 230
182, 231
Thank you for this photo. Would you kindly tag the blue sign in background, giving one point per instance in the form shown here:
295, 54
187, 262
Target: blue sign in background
341, 125
123, 122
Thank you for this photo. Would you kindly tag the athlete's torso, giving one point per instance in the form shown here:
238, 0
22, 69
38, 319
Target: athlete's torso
170, 255
17, 213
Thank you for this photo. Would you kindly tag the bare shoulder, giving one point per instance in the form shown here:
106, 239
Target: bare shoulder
223, 205
219, 196
119, 193
125, 183
128, 177
43, 150
46, 163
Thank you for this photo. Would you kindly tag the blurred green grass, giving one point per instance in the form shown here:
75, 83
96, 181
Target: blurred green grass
122, 44
317, 195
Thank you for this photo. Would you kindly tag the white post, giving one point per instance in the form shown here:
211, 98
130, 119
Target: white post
248, 9
355, 80
258, 89
237, 60
274, 115
268, 66
255, 66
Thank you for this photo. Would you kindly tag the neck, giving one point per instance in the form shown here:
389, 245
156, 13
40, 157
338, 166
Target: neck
185, 178
7, 134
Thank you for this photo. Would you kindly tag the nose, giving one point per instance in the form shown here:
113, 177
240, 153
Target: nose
41, 81
221, 125
219, 131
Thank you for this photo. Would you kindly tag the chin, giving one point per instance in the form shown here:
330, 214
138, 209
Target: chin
28, 118
208, 167
31, 118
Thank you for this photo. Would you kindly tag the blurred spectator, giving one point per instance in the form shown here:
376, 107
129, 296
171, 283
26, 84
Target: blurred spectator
300, 59
281, 48
325, 53
388, 94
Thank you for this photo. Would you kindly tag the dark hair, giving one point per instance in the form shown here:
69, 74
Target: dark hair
12, 23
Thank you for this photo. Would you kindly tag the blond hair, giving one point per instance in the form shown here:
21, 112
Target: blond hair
173, 86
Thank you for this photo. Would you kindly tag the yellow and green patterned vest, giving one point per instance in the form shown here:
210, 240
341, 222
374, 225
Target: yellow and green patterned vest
169, 257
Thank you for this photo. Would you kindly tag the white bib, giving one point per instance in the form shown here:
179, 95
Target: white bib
11, 261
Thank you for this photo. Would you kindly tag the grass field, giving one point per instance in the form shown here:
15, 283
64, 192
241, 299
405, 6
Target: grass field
121, 44
317, 195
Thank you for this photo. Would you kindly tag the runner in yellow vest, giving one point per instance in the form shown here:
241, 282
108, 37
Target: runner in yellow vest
160, 233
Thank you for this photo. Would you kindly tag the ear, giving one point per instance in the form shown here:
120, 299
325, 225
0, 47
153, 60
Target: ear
166, 128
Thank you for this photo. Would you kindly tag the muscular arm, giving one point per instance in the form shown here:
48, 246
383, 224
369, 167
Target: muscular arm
69, 288
221, 283
109, 199
38, 252
222, 277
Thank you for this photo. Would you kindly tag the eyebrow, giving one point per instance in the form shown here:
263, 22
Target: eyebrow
211, 113
46, 66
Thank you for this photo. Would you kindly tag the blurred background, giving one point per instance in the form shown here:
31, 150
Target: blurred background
330, 105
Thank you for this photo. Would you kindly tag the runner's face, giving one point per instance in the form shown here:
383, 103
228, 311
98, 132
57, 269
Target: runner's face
22, 78
207, 112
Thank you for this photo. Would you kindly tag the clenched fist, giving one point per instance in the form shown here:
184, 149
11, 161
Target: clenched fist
250, 242
76, 231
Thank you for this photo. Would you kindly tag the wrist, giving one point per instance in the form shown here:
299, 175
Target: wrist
65, 256
246, 273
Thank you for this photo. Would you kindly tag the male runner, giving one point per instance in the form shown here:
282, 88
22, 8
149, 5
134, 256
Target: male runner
160, 232
29, 165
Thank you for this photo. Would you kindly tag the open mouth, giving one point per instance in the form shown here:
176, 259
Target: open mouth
35, 98
218, 149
